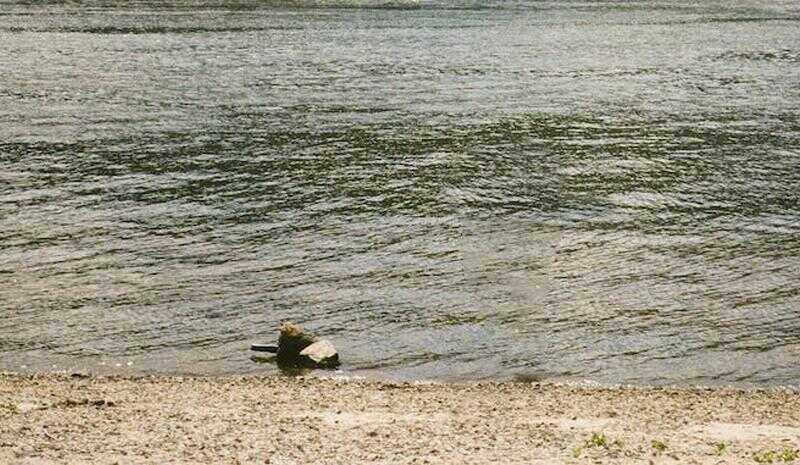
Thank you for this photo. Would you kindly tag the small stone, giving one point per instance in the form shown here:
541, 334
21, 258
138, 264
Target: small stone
25, 407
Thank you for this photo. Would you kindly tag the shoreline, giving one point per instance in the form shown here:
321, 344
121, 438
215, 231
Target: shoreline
75, 419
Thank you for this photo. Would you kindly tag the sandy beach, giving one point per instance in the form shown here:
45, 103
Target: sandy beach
63, 419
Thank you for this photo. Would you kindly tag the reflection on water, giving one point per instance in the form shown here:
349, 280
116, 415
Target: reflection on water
452, 190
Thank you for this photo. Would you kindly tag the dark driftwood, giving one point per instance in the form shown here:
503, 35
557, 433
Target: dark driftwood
256, 347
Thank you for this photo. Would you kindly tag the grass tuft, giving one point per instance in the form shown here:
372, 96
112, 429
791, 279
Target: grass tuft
788, 455
597, 440
659, 446
10, 408
771, 456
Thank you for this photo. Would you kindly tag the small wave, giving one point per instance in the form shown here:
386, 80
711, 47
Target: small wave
781, 55
143, 29
245, 5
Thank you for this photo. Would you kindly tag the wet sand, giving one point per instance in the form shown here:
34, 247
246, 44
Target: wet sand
54, 419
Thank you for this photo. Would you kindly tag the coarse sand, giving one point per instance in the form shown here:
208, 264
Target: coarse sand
63, 419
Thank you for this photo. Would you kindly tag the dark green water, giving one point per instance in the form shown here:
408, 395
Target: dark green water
448, 190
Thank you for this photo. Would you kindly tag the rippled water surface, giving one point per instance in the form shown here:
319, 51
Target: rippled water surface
447, 190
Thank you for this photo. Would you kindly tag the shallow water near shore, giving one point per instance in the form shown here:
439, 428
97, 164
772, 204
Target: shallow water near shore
446, 190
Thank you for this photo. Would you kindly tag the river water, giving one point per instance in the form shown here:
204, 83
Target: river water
604, 190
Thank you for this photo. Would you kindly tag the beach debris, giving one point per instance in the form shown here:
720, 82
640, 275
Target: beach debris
84, 402
300, 348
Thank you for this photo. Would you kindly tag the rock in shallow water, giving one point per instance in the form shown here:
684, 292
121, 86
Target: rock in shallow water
320, 354
298, 348
291, 342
